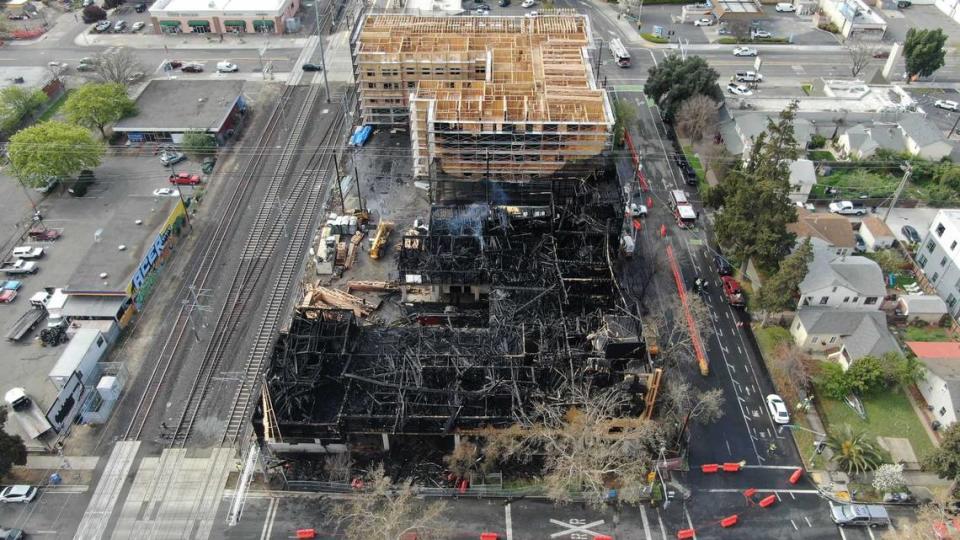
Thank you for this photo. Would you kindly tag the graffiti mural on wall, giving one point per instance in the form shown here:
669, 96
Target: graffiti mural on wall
145, 277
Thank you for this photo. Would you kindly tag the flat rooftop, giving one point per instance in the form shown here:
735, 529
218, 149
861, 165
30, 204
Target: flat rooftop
106, 257
201, 7
734, 7
178, 105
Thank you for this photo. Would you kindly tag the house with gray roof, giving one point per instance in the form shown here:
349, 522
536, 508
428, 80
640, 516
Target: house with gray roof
911, 133
746, 128
924, 139
842, 282
940, 385
803, 177
844, 336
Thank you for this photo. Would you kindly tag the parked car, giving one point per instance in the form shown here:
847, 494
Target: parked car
102, 26
760, 34
723, 265
481, 11
17, 17
135, 77
140, 8
947, 104
7, 296
910, 234
50, 183
778, 409
137, 26
901, 4
11, 285
482, 5
638, 210
532, 14
528, 3
881, 54
503, 3
744, 51
785, 7
705, 21
120, 26
86, 67
171, 158
227, 67
18, 493
748, 76
192, 68
184, 179
312, 67
860, 515
80, 186
171, 64
27, 252
44, 234
847, 208
10, 534
732, 291
208, 164
166, 192
739, 90
859, 245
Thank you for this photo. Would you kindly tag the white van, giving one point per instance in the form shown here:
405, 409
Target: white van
785, 7
27, 252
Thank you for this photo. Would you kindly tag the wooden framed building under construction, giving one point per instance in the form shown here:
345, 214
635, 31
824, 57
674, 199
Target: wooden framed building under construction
511, 98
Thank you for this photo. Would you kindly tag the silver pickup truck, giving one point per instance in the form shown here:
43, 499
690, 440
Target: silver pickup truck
860, 515
18, 266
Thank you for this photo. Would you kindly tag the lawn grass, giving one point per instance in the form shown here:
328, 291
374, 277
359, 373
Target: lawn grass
854, 182
694, 162
768, 338
653, 38
55, 107
926, 333
889, 414
820, 155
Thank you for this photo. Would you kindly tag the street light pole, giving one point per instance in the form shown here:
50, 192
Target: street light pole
907, 171
323, 55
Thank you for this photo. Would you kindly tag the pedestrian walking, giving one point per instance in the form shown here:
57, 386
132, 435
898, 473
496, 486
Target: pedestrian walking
164, 425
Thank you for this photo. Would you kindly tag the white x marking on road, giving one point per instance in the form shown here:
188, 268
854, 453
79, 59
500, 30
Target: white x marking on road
571, 528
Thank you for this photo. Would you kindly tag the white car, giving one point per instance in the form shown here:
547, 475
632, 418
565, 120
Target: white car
745, 51
528, 3
137, 26
784, 7
27, 252
227, 67
19, 493
166, 192
761, 34
946, 104
706, 21
778, 409
638, 210
532, 14
739, 90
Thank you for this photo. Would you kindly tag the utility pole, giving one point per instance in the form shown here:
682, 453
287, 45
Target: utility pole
907, 171
336, 166
323, 56
356, 173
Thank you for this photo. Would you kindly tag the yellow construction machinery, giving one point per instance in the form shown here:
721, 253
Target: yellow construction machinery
380, 240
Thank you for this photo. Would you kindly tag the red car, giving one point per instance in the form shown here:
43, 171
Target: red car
185, 179
732, 291
7, 296
44, 234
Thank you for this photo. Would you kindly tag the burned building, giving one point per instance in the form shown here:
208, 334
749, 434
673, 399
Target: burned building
503, 304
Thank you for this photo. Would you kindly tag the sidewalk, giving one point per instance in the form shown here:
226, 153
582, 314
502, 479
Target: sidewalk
191, 41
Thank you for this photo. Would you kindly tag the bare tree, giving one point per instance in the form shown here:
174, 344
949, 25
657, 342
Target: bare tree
384, 510
585, 444
464, 458
118, 66
681, 399
861, 54
338, 467
669, 323
739, 28
716, 158
697, 115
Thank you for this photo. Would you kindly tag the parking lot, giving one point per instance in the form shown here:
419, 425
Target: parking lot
104, 221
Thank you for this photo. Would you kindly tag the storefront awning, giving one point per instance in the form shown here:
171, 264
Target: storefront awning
235, 23
169, 23
198, 23
263, 24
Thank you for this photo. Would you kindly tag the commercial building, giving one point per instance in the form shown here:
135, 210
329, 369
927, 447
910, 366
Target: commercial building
939, 257
224, 16
855, 19
166, 109
507, 97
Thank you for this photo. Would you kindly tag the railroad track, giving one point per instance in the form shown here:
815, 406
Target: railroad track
290, 266
258, 249
214, 241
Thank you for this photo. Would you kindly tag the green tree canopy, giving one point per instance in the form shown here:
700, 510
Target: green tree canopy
198, 144
676, 80
945, 460
924, 51
853, 451
866, 375
16, 104
52, 149
754, 201
779, 291
12, 450
94, 105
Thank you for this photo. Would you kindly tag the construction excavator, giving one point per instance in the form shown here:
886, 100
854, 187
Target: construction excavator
380, 239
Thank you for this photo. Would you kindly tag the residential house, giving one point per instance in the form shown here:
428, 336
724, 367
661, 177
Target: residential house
842, 282
940, 385
923, 138
746, 127
875, 233
803, 177
911, 133
939, 257
844, 335
922, 307
825, 231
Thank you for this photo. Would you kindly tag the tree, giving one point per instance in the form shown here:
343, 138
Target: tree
117, 67
338, 466
682, 400
754, 198
792, 371
52, 149
924, 52
779, 291
902, 370
96, 105
740, 29
17, 104
675, 80
866, 375
93, 13
12, 450
668, 321
464, 458
834, 381
198, 144
715, 157
624, 115
386, 511
696, 115
861, 54
852, 451
945, 460
888, 478
585, 443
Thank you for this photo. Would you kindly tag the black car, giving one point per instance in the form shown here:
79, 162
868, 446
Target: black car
503, 3
910, 234
312, 67
192, 68
482, 5
723, 265
140, 8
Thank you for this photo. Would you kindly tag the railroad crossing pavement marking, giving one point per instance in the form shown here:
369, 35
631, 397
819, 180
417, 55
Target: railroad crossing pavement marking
577, 529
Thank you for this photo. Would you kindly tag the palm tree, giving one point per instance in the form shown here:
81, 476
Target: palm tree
853, 451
